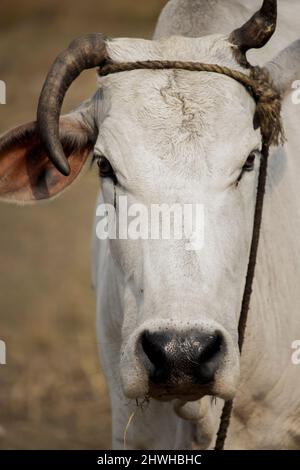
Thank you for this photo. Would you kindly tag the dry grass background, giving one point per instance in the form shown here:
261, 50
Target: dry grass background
52, 393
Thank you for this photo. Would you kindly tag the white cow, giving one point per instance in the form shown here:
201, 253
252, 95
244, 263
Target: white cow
167, 318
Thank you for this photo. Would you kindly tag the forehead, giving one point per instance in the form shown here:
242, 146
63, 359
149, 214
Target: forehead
165, 110
189, 103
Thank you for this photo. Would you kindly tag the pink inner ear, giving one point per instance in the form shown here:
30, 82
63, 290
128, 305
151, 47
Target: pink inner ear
26, 173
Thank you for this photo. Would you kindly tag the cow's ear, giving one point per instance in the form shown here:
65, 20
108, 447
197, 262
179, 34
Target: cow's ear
26, 173
285, 68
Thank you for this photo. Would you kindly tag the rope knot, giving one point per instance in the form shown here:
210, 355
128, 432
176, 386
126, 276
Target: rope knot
268, 107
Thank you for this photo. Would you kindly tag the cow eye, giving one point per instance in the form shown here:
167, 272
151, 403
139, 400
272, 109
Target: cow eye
250, 162
249, 165
105, 168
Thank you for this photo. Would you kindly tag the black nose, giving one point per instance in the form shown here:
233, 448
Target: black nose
192, 357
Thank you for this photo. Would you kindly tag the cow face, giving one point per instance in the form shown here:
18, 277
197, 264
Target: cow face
188, 139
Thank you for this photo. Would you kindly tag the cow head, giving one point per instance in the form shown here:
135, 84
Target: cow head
163, 136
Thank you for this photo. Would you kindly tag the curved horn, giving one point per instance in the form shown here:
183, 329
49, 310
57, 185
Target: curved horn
258, 30
84, 53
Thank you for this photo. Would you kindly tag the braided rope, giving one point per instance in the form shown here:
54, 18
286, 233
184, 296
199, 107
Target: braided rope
268, 113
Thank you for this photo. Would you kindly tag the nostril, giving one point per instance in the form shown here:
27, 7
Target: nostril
152, 348
208, 358
212, 348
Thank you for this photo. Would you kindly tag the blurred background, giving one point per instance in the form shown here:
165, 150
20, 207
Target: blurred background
52, 392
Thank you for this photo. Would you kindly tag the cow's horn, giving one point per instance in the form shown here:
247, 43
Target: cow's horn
84, 53
258, 30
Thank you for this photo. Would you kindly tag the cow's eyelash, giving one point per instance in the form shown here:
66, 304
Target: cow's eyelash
95, 158
105, 168
249, 164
